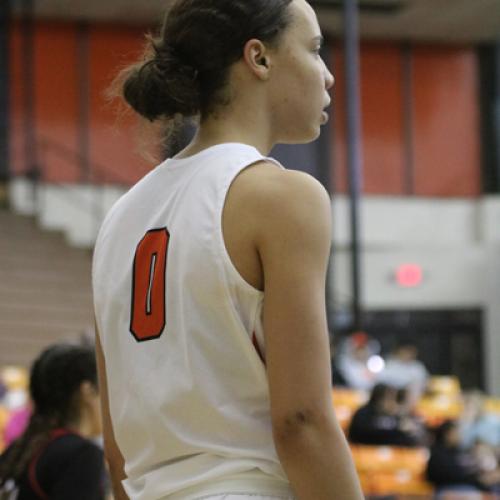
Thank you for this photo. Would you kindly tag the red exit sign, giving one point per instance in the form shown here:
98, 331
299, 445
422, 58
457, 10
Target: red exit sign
409, 275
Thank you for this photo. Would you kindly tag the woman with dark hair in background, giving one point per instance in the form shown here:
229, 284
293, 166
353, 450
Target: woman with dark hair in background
209, 274
55, 457
380, 421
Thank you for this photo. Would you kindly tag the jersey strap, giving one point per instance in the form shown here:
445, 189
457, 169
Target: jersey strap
35, 485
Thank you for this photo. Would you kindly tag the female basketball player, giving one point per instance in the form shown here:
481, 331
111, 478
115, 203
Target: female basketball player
209, 275
55, 457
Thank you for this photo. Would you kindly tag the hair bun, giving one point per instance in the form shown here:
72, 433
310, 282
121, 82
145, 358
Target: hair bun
163, 86
187, 67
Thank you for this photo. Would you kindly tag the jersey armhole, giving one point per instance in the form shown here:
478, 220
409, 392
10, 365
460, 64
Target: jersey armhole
227, 261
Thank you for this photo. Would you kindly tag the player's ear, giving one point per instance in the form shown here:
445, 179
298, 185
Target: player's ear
257, 58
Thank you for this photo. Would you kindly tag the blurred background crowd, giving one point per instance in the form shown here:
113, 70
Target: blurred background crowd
412, 434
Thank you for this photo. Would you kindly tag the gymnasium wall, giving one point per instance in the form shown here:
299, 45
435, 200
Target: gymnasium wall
60, 94
420, 123
420, 112
420, 120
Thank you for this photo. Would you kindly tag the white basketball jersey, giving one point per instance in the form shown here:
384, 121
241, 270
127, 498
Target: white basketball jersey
182, 333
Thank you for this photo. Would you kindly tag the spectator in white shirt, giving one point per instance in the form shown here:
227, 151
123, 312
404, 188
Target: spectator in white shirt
352, 363
404, 370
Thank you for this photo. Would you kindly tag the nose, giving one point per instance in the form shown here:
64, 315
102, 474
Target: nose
329, 79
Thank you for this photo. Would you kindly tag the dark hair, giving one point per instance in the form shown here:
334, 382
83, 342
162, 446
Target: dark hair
402, 395
187, 66
378, 394
56, 376
405, 344
441, 433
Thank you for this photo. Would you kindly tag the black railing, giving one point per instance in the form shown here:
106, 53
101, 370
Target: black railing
100, 175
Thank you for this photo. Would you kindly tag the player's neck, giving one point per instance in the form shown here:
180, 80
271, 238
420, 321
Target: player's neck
233, 125
80, 426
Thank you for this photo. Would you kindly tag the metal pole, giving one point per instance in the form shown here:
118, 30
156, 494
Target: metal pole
489, 77
28, 71
354, 156
5, 15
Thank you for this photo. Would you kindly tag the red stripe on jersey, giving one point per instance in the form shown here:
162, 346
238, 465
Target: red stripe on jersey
255, 343
35, 485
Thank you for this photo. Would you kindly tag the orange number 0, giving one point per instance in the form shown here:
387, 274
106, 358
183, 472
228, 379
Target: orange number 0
147, 317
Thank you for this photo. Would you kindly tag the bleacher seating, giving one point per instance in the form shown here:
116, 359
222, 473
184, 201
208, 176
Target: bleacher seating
389, 470
400, 472
45, 292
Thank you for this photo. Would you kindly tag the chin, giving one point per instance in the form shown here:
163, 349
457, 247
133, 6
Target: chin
302, 137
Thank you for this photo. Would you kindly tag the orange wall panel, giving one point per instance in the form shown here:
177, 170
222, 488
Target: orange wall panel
446, 141
382, 120
115, 143
56, 100
446, 122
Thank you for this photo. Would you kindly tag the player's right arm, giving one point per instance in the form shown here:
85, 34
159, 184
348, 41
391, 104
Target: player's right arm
293, 242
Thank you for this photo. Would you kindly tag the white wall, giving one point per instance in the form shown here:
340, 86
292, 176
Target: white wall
76, 210
22, 196
457, 244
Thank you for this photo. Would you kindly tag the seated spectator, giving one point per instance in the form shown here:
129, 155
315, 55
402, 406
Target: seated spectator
476, 424
55, 457
410, 421
352, 362
451, 468
380, 422
404, 370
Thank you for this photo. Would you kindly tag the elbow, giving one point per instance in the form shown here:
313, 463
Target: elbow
302, 425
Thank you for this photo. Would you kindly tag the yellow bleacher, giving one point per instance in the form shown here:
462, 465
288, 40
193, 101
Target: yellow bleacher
14, 378
390, 470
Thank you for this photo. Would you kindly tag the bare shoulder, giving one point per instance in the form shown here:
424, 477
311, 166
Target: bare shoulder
270, 191
271, 214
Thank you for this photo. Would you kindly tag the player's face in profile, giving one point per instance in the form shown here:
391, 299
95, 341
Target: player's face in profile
92, 404
301, 81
